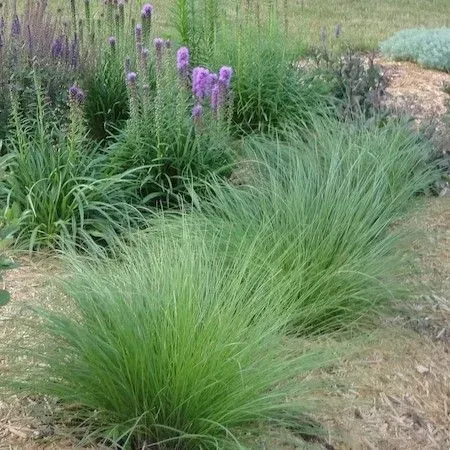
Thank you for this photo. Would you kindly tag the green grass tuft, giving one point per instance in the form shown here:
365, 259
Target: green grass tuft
318, 213
166, 345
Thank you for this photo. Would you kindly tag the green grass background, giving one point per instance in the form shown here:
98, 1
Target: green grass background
364, 22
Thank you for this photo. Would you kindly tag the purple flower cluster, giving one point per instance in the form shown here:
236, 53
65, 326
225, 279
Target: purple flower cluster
197, 112
145, 56
138, 32
225, 74
146, 11
131, 79
76, 94
62, 48
201, 82
183, 61
138, 39
112, 42
57, 47
159, 44
209, 84
15, 26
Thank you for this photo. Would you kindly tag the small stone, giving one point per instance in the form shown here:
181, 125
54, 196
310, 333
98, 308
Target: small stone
422, 369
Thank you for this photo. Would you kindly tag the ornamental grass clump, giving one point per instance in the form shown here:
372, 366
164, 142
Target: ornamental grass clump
166, 346
269, 90
317, 209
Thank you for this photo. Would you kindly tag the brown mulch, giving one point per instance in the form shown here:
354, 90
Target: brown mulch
419, 92
396, 393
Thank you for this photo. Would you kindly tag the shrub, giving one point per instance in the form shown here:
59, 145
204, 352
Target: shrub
358, 84
166, 346
355, 81
429, 47
55, 183
319, 211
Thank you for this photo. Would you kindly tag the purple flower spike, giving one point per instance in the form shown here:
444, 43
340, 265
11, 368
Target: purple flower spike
15, 26
212, 81
138, 39
57, 47
200, 82
131, 78
73, 90
112, 41
138, 32
183, 60
146, 11
216, 101
145, 55
197, 112
76, 94
225, 74
159, 43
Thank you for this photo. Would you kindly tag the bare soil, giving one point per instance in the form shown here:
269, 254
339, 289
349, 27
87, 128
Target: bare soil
399, 394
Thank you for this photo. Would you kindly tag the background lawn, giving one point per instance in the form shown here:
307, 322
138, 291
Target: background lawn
364, 23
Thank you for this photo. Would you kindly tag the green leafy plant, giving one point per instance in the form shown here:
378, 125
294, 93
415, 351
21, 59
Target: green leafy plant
355, 81
164, 136
106, 106
358, 84
55, 183
5, 262
269, 88
165, 345
197, 23
429, 47
6, 232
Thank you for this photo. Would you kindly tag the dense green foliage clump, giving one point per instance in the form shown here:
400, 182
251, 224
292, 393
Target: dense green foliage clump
429, 47
171, 346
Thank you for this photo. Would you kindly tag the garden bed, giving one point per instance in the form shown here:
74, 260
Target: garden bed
243, 256
394, 394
